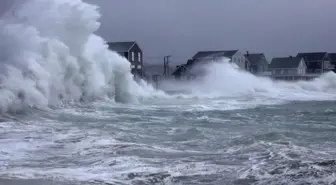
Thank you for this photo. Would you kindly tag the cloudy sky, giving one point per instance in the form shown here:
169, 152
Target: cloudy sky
182, 27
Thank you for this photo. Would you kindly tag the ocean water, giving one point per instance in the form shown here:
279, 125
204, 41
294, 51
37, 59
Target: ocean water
71, 114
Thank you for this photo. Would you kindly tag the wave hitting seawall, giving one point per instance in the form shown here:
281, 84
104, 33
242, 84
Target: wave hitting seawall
49, 55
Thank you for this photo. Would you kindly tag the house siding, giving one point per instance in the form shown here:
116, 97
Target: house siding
240, 60
316, 63
260, 67
132, 52
302, 68
263, 65
295, 73
136, 60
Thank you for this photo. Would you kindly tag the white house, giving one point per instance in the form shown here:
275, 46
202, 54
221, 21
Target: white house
235, 56
288, 68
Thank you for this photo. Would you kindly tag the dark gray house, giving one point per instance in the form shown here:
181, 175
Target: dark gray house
317, 62
235, 56
258, 63
132, 52
288, 68
333, 61
184, 71
191, 71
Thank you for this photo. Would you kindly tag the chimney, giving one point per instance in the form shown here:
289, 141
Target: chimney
290, 56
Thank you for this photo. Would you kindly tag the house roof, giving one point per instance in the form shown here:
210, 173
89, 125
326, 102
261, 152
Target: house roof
190, 62
209, 54
179, 69
254, 58
312, 56
121, 46
285, 62
332, 57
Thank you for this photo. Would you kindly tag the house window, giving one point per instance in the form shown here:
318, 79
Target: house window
132, 66
132, 56
139, 56
139, 66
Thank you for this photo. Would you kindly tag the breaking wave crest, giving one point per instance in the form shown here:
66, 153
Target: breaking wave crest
226, 80
49, 54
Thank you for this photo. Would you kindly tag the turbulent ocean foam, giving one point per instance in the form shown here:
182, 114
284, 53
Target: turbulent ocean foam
49, 54
227, 127
224, 79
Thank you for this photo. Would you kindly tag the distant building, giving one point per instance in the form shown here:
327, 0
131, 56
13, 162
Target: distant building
183, 72
289, 68
333, 60
190, 71
132, 52
258, 63
317, 62
235, 56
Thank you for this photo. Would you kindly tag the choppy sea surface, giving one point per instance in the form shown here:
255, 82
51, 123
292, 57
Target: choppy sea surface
153, 143
72, 114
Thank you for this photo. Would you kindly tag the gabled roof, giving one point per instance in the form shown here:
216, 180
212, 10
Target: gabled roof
121, 46
285, 62
190, 62
312, 56
332, 57
206, 54
179, 69
254, 58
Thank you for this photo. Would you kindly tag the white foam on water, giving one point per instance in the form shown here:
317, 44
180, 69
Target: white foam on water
224, 80
49, 54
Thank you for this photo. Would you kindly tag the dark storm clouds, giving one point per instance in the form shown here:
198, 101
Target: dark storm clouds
182, 27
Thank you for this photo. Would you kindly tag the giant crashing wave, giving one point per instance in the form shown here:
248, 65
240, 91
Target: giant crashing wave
49, 55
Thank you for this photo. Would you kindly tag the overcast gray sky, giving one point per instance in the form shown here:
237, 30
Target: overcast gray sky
182, 27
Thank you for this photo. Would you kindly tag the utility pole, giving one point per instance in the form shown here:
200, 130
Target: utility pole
166, 66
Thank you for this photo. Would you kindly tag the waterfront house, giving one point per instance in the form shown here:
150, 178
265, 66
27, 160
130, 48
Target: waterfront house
132, 52
258, 63
333, 60
235, 56
288, 68
317, 62
183, 72
190, 70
